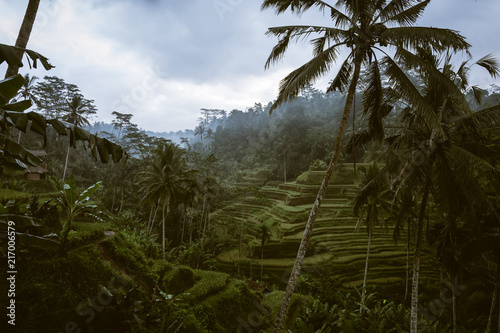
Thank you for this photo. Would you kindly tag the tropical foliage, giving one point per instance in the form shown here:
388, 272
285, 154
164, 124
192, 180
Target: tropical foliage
198, 230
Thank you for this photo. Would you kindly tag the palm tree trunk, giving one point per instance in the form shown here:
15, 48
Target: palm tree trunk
363, 291
407, 261
241, 241
284, 166
149, 219
262, 262
292, 282
190, 230
113, 201
66, 163
416, 260
353, 132
493, 303
492, 308
203, 220
454, 303
154, 219
121, 203
208, 216
24, 33
165, 213
183, 227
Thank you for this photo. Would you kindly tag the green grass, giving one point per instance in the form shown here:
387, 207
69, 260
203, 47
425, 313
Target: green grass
178, 280
8, 194
208, 283
226, 310
87, 232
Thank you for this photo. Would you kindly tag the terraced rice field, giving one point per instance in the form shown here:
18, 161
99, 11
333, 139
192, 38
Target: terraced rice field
334, 239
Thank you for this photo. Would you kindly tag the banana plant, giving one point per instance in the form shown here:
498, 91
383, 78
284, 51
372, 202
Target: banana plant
74, 204
13, 115
20, 224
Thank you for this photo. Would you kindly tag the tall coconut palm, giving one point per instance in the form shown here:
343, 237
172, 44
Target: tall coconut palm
167, 176
364, 28
370, 200
442, 160
26, 91
446, 237
200, 130
264, 232
24, 34
78, 109
283, 144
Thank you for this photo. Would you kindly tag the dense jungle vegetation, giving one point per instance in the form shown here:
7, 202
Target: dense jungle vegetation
129, 232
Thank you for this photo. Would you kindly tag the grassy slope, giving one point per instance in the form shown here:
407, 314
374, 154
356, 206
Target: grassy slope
106, 284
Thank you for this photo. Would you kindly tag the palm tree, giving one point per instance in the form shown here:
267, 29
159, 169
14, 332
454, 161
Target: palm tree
200, 130
483, 250
166, 177
364, 28
370, 199
78, 107
24, 34
284, 144
26, 91
442, 159
446, 237
265, 235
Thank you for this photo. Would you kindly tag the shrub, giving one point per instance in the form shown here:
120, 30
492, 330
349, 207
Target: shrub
318, 165
208, 283
7, 195
179, 280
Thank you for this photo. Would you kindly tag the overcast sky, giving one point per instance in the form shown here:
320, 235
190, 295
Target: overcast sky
164, 60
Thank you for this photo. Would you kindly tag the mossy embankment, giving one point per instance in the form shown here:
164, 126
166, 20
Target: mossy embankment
105, 283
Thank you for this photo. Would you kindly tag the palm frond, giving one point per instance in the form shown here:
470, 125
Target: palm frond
486, 118
438, 39
372, 100
478, 94
340, 19
374, 182
468, 160
467, 164
358, 9
295, 6
358, 139
278, 50
394, 8
291, 33
403, 85
341, 81
409, 16
330, 36
463, 74
490, 63
294, 82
